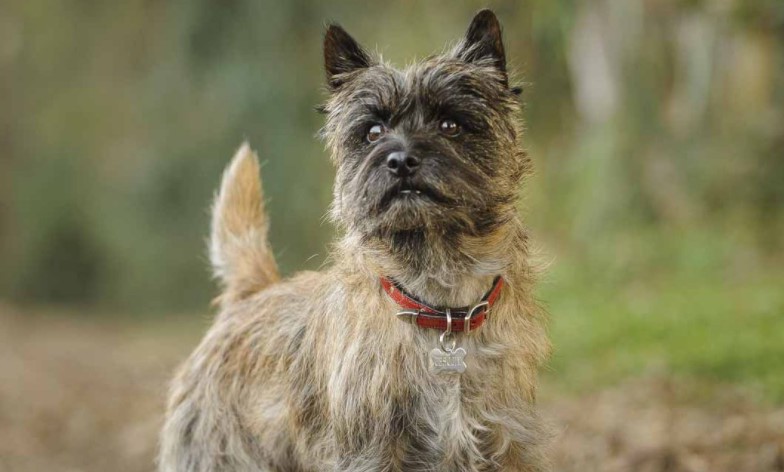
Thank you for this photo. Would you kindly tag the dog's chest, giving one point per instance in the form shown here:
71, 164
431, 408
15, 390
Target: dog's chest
383, 396
447, 426
424, 420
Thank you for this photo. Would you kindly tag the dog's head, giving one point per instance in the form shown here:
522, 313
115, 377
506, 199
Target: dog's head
431, 148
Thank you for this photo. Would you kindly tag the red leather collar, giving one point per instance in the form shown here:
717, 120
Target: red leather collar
426, 316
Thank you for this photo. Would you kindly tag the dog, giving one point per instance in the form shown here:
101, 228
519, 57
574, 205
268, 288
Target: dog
418, 348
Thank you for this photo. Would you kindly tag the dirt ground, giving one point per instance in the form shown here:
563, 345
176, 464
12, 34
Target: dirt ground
80, 394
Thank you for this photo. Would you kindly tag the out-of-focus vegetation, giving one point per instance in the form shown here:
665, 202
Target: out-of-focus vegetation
656, 127
689, 315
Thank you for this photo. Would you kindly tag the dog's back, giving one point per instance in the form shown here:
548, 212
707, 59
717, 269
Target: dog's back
203, 431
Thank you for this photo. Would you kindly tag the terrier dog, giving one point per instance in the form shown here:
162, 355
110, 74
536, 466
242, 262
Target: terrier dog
418, 348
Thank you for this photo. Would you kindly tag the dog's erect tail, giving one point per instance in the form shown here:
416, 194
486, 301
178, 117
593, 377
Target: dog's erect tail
239, 251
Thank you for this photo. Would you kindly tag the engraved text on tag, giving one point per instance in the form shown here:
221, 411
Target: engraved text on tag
453, 361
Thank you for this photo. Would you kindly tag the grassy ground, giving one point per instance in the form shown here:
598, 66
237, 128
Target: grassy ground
700, 309
86, 394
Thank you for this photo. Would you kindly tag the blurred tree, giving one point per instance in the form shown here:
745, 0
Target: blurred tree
117, 118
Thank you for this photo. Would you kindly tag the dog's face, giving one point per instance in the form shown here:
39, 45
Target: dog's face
432, 148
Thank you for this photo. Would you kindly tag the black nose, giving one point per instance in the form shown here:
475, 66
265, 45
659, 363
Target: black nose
402, 164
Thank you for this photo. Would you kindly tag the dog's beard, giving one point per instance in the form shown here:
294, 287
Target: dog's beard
412, 194
410, 204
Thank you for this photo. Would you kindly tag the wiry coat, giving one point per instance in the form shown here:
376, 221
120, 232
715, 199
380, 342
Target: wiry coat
315, 373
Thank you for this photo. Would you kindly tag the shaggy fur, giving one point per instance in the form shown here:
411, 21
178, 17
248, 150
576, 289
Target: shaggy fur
315, 373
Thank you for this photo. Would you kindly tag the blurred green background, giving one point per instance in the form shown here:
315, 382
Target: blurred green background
656, 128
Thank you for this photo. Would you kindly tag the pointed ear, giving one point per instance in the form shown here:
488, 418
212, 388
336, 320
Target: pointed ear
342, 55
483, 40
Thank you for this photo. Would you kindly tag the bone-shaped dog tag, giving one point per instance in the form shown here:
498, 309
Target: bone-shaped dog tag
448, 362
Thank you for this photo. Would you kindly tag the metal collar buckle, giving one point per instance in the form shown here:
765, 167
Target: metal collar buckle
472, 312
409, 315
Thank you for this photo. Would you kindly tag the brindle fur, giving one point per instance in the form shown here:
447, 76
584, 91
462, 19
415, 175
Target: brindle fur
315, 373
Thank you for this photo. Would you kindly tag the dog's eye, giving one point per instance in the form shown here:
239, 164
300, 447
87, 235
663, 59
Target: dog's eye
375, 133
449, 128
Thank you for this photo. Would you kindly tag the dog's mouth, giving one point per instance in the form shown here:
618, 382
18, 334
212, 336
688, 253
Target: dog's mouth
412, 192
